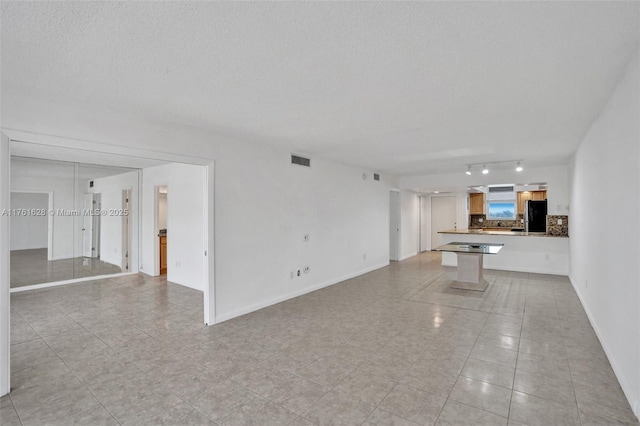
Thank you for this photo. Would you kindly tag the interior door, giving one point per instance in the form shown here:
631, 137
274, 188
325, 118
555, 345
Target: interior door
443, 216
88, 246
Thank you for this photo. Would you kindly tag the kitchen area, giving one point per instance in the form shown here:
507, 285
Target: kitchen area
518, 216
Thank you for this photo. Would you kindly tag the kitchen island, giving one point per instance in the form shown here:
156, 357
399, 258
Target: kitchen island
534, 252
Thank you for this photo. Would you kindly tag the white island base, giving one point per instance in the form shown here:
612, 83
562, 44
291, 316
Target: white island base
470, 272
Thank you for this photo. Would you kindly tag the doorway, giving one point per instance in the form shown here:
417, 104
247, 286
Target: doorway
162, 209
394, 226
444, 215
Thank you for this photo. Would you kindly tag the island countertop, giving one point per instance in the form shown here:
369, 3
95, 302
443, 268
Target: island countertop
476, 231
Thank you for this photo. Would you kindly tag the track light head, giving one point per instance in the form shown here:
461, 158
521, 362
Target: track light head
519, 167
468, 170
485, 170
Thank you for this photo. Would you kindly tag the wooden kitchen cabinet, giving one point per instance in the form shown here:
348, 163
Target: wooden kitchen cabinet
163, 254
529, 195
476, 203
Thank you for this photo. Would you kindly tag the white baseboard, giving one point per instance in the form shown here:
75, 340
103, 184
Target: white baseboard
73, 281
408, 256
626, 388
273, 301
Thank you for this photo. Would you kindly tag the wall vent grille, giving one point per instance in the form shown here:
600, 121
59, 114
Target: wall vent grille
301, 161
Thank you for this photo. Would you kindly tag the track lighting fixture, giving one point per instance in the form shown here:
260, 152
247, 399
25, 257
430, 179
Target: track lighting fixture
485, 166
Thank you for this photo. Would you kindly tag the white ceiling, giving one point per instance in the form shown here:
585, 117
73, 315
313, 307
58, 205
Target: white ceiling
405, 88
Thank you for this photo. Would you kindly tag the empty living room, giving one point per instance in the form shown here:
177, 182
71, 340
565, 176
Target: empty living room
320, 213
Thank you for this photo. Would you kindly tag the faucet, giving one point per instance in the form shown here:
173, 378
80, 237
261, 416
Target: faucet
498, 223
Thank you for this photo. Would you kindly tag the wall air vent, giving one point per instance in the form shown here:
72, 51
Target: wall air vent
301, 161
376, 176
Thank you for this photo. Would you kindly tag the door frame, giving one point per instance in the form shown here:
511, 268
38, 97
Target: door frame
6, 135
156, 226
49, 217
126, 231
395, 237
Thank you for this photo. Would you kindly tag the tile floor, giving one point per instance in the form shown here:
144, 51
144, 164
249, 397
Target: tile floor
392, 347
29, 267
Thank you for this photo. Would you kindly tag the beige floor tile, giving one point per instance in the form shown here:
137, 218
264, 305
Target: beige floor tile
370, 388
489, 372
457, 414
547, 387
536, 411
397, 336
487, 397
337, 409
413, 404
383, 418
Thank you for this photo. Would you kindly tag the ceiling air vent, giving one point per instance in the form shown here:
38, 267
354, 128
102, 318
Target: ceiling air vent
301, 161
376, 176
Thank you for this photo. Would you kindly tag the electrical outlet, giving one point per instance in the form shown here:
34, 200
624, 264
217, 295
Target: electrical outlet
559, 221
481, 220
177, 264
298, 272
306, 238
306, 269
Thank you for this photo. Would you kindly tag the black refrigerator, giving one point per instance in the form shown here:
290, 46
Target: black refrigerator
535, 216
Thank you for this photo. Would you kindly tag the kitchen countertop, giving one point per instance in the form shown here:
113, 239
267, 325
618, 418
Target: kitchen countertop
474, 231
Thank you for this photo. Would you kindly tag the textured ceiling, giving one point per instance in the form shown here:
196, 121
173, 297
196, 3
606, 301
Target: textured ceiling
407, 88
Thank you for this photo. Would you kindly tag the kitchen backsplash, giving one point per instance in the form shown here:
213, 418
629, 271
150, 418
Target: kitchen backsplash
558, 230
475, 222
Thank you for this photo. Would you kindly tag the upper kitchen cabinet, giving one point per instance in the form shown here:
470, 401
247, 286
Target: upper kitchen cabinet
476, 203
529, 195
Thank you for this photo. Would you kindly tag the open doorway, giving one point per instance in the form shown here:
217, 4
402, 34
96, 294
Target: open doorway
162, 209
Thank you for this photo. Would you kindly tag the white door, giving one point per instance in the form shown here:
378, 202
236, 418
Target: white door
394, 226
443, 217
88, 247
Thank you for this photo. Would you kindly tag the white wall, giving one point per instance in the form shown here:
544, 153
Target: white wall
605, 230
110, 189
409, 224
30, 231
59, 178
185, 223
264, 206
